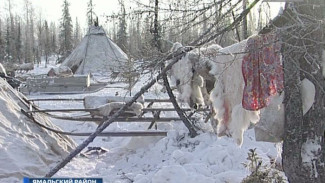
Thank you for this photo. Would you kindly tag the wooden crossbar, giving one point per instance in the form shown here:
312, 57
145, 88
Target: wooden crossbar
156, 100
91, 110
126, 134
55, 99
81, 99
170, 109
63, 110
121, 119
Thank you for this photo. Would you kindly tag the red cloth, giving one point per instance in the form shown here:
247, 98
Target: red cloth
262, 71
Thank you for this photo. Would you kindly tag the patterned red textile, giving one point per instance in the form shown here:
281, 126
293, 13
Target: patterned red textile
262, 71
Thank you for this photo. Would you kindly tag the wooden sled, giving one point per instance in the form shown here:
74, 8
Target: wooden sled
91, 110
61, 85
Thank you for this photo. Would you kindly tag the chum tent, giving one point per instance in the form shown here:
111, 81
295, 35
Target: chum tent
96, 53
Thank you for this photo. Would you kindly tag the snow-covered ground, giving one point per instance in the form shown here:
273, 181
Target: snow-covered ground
176, 158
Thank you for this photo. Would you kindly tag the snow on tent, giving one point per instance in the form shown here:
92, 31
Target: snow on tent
96, 53
26, 149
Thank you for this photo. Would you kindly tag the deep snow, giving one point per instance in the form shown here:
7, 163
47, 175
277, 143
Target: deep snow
25, 148
176, 158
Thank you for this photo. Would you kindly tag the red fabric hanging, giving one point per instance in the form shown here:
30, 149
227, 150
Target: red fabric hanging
262, 71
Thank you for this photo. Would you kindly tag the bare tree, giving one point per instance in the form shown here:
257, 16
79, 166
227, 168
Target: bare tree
121, 36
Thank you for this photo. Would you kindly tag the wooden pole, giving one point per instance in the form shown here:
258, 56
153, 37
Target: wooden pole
175, 57
177, 108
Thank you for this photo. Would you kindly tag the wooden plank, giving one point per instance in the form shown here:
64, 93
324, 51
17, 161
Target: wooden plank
120, 119
171, 109
156, 100
62, 110
133, 119
127, 134
81, 99
91, 110
56, 99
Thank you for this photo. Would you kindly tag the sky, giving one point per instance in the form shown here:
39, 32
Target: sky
78, 8
52, 9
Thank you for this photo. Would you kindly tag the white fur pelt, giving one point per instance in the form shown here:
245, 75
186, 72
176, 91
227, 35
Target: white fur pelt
196, 93
182, 74
190, 84
93, 102
226, 97
227, 94
210, 50
106, 109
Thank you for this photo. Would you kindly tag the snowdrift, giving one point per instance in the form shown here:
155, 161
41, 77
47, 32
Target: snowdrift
25, 148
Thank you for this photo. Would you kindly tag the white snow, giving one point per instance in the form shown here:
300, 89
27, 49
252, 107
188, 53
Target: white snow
310, 151
25, 148
176, 158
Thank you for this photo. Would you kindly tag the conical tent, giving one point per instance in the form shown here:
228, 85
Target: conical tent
96, 53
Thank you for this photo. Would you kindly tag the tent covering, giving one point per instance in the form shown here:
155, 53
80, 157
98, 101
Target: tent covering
96, 53
26, 149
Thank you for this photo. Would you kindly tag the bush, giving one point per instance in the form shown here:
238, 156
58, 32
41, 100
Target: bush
260, 173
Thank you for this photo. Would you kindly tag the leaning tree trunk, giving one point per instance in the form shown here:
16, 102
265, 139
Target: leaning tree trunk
303, 42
